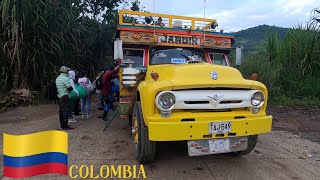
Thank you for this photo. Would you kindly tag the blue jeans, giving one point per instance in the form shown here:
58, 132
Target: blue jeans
115, 89
108, 98
86, 105
108, 102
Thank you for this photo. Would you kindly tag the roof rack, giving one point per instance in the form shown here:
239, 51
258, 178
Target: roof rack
136, 18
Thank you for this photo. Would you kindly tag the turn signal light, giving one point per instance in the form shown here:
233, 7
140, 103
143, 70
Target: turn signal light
254, 76
205, 150
154, 76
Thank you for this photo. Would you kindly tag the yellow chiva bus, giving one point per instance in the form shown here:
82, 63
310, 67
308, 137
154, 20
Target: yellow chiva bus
176, 84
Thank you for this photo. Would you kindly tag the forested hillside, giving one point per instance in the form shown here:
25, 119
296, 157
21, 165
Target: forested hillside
254, 38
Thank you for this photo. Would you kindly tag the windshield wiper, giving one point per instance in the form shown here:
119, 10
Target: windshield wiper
184, 56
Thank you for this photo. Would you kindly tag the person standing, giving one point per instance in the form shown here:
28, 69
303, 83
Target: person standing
86, 101
75, 103
107, 89
98, 83
64, 88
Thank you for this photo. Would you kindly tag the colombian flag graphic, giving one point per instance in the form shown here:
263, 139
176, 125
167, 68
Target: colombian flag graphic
34, 154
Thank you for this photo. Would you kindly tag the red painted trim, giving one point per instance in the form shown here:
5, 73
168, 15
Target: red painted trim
126, 99
137, 46
208, 58
146, 57
47, 168
173, 32
227, 59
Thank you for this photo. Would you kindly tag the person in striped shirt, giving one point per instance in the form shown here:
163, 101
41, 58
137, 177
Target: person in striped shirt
64, 88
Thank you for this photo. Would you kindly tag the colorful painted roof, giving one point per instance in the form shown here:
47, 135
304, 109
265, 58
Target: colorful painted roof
170, 30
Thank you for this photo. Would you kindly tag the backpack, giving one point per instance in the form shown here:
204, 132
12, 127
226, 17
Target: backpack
89, 87
99, 83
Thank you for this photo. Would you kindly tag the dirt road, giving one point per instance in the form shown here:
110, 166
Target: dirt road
278, 155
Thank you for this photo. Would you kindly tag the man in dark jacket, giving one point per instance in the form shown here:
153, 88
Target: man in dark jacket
98, 83
107, 89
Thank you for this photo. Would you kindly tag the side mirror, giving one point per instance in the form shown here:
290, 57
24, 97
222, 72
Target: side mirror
238, 56
118, 52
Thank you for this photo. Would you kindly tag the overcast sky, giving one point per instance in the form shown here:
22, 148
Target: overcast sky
235, 15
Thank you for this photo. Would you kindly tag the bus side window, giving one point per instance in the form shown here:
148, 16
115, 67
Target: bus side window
135, 55
218, 58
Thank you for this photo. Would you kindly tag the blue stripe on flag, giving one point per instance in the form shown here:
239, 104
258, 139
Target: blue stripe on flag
48, 157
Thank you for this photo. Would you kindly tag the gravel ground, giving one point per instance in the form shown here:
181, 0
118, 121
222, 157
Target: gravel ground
291, 151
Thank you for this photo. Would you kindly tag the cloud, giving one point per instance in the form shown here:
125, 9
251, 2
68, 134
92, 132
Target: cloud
238, 15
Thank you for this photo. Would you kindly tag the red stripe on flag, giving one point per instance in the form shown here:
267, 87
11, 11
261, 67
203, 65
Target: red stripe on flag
47, 168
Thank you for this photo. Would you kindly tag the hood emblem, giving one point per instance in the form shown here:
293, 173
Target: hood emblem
215, 97
214, 75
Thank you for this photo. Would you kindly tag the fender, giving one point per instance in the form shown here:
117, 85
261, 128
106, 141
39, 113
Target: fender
148, 90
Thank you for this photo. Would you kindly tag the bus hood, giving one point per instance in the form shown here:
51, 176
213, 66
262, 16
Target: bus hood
202, 75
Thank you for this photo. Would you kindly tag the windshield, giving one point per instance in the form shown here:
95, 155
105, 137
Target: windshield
176, 56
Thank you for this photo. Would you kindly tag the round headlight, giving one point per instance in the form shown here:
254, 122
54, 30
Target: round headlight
257, 99
166, 101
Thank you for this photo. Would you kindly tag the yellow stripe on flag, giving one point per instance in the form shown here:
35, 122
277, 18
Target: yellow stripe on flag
36, 143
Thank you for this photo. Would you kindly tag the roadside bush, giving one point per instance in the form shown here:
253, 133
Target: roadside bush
258, 63
290, 66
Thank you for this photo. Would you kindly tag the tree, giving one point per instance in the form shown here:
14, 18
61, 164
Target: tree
38, 36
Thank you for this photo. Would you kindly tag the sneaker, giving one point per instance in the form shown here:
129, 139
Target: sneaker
72, 120
89, 116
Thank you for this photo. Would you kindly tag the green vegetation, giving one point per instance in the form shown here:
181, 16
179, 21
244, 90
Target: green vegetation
39, 36
289, 66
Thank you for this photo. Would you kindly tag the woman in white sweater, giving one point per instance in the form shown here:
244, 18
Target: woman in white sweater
86, 101
75, 103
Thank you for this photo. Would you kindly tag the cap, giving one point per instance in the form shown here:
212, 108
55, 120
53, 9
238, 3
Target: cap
64, 69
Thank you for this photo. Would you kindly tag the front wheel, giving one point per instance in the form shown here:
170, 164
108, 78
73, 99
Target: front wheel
145, 149
252, 141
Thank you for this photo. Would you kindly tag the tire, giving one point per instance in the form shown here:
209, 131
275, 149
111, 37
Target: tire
252, 141
145, 149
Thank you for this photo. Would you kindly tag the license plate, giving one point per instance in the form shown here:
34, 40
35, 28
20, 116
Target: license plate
219, 127
219, 145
